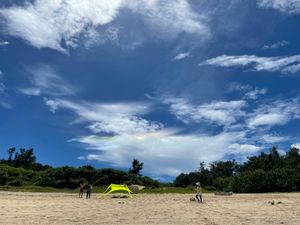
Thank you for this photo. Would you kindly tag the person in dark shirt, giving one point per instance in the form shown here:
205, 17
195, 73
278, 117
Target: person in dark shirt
89, 188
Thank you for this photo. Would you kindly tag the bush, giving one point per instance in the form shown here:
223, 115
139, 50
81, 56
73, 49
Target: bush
223, 183
267, 181
17, 182
149, 182
3, 177
210, 188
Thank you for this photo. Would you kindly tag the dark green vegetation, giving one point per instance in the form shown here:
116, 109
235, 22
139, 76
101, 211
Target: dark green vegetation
264, 173
267, 172
22, 170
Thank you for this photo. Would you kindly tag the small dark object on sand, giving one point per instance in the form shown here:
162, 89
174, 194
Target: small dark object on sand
271, 202
192, 199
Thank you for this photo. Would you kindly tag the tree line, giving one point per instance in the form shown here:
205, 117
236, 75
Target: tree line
21, 168
267, 172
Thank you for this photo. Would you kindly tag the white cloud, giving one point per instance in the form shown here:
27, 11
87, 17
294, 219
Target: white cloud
271, 139
164, 155
44, 80
3, 94
278, 112
289, 64
219, 112
284, 6
246, 149
292, 69
238, 87
112, 118
254, 94
2, 87
276, 45
119, 132
60, 23
296, 145
268, 119
30, 91
181, 56
3, 43
124, 125
249, 91
53, 105
233, 115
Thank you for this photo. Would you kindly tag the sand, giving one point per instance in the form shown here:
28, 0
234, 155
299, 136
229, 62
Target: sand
61, 208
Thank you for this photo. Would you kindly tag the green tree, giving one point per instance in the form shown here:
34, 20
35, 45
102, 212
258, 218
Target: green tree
223, 169
11, 151
292, 159
136, 167
25, 158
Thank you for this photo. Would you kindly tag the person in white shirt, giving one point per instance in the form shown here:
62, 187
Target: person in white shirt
199, 192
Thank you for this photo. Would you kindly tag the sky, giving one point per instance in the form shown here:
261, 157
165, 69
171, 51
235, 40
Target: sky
171, 83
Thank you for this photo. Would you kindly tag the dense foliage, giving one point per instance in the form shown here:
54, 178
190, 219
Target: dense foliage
263, 173
21, 169
266, 172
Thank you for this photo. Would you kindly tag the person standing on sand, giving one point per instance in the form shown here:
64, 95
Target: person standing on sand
89, 188
199, 192
81, 187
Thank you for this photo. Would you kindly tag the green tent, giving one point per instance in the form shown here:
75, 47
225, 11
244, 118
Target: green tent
116, 187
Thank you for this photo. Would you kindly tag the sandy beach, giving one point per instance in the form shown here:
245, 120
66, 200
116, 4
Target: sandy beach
61, 208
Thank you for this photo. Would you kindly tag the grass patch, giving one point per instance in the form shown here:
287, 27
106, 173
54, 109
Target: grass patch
161, 190
165, 190
46, 189
35, 189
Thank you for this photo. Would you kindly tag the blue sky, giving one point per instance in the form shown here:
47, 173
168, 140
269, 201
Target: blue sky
169, 82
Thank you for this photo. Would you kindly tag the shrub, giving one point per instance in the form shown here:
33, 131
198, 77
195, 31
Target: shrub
16, 182
210, 188
3, 177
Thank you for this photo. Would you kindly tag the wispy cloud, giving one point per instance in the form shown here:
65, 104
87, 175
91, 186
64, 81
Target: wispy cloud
254, 94
284, 6
236, 116
119, 132
278, 112
114, 118
276, 45
282, 64
238, 87
167, 155
52, 104
181, 56
2, 87
247, 148
30, 91
268, 119
2, 43
249, 91
45, 80
56, 24
3, 94
219, 112
273, 139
